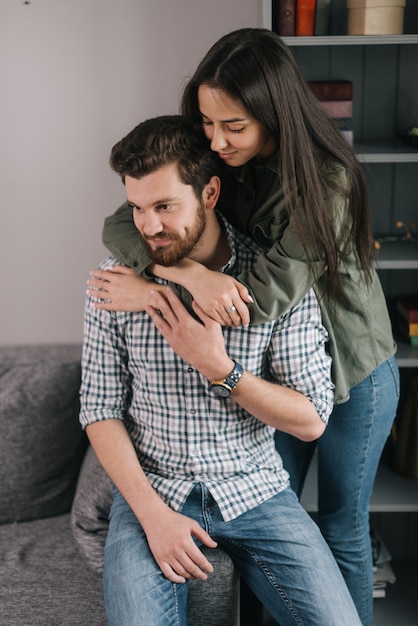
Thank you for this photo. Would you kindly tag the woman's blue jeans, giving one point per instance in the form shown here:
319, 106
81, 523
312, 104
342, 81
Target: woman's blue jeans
277, 547
348, 457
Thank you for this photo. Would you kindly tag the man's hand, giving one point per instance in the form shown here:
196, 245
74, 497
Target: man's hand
200, 344
169, 534
170, 538
219, 295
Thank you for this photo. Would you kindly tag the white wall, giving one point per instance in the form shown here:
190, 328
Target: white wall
76, 75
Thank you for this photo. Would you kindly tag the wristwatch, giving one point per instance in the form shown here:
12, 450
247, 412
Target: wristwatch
224, 388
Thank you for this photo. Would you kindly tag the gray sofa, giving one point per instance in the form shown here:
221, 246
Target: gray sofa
54, 501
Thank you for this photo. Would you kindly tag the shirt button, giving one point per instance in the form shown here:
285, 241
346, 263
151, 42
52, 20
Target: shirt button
190, 370
135, 263
192, 411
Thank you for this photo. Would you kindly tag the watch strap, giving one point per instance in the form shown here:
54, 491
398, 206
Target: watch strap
233, 378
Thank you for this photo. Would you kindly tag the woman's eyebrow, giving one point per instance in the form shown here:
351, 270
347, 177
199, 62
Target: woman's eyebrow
232, 120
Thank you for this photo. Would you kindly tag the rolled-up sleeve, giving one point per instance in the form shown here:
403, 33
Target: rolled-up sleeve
299, 357
106, 381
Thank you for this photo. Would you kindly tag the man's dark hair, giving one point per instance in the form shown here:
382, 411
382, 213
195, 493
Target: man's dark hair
161, 141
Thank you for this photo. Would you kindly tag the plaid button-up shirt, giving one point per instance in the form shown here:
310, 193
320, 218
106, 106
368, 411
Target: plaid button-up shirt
182, 432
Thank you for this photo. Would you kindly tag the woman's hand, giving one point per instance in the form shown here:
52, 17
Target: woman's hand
120, 289
220, 296
223, 298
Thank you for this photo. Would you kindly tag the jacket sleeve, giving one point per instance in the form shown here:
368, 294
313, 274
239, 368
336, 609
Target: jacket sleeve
283, 274
280, 278
122, 238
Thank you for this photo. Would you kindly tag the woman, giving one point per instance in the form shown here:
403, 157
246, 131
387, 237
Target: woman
290, 180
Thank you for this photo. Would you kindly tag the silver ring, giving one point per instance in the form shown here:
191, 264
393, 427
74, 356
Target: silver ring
231, 310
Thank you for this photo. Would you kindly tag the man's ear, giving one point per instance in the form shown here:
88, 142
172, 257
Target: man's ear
211, 192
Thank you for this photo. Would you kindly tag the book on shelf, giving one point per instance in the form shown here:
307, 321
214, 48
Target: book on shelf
336, 98
407, 318
284, 17
405, 333
322, 17
383, 575
338, 108
379, 592
300, 17
413, 340
348, 136
410, 330
305, 17
407, 307
332, 89
382, 571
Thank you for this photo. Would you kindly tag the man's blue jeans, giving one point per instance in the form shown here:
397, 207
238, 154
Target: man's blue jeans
277, 547
348, 456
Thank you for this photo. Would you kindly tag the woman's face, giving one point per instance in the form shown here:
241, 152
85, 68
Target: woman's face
233, 132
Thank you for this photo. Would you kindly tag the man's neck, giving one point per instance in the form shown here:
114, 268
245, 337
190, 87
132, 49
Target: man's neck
214, 251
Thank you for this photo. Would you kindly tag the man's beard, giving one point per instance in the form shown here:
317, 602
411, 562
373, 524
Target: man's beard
182, 246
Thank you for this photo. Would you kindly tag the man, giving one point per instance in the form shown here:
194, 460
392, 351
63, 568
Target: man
181, 412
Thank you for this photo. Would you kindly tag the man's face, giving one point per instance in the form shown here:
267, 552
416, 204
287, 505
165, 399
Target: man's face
167, 213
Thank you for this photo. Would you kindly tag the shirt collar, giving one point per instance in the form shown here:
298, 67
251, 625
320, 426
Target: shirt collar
230, 233
244, 171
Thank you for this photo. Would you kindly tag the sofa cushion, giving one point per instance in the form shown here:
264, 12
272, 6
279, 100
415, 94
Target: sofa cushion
90, 510
42, 441
44, 581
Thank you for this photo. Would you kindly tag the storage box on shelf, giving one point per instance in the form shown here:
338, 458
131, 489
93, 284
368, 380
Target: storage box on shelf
375, 17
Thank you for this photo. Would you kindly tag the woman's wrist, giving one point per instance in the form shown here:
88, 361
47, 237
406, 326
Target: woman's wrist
185, 273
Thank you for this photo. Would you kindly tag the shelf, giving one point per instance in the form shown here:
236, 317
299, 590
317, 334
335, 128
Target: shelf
397, 255
400, 606
391, 493
406, 355
351, 40
385, 152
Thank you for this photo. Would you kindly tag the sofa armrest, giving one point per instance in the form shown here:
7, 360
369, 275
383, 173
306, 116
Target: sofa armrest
210, 603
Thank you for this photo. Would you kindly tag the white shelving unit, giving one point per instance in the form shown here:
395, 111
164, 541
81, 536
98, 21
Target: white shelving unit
391, 493
400, 255
351, 40
385, 152
384, 71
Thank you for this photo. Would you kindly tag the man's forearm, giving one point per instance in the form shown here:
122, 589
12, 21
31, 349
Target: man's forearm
278, 406
116, 453
274, 404
170, 535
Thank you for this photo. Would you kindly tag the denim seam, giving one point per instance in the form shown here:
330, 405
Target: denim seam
364, 586
176, 604
271, 580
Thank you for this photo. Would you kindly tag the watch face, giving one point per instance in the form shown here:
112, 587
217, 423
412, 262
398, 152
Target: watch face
221, 391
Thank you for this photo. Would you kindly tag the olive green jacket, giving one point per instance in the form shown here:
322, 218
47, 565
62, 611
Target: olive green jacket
360, 332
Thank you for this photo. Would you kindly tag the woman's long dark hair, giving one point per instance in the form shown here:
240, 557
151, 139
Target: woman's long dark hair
257, 69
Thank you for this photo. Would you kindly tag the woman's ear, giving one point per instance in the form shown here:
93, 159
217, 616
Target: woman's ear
211, 192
